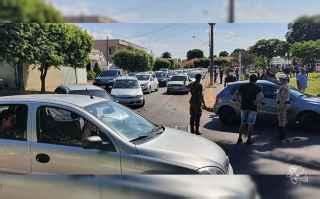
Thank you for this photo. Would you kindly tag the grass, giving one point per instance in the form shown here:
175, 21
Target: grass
313, 84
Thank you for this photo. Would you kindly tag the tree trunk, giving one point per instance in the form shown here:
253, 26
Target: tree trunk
76, 75
43, 75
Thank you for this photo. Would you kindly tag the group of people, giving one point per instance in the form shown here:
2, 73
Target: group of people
250, 98
226, 76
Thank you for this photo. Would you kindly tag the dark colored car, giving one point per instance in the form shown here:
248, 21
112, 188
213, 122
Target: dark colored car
163, 78
106, 78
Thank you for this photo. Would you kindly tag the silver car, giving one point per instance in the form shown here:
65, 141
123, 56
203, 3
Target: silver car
304, 109
74, 134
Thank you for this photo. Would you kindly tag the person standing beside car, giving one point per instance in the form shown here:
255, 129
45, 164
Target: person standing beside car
283, 102
250, 96
196, 103
302, 80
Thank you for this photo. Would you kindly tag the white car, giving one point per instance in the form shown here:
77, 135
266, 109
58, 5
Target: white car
127, 91
148, 82
178, 84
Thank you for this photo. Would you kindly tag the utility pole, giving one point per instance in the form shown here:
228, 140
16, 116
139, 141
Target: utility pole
240, 66
212, 26
107, 51
231, 11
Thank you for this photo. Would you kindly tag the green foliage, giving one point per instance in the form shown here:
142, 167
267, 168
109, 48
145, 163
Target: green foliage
304, 28
307, 51
201, 63
237, 51
223, 54
269, 48
161, 63
166, 55
44, 45
91, 75
195, 53
133, 60
28, 11
261, 62
97, 69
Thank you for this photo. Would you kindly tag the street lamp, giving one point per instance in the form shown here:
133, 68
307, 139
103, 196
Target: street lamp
211, 44
231, 11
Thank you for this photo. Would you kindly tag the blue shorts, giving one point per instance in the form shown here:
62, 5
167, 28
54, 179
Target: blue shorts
248, 117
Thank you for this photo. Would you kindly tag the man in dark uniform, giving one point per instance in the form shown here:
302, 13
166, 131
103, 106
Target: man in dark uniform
196, 103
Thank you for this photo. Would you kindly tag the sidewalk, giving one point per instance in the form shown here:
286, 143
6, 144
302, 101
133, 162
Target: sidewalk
210, 92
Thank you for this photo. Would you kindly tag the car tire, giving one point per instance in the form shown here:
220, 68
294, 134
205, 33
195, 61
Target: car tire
308, 119
227, 115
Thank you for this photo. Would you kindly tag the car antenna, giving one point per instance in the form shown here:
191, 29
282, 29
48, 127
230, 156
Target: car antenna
91, 96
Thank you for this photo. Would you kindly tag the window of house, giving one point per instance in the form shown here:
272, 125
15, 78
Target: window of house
13, 122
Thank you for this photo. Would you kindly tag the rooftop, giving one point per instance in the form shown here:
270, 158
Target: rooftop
76, 100
81, 87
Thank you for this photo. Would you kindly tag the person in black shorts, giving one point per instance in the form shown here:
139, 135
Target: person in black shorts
250, 96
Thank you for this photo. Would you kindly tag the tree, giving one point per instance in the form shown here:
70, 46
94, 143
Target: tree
260, 62
223, 54
166, 55
304, 28
269, 48
133, 60
237, 51
195, 53
27, 11
161, 63
308, 51
201, 63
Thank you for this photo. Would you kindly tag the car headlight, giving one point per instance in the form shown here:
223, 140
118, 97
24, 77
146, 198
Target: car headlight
211, 171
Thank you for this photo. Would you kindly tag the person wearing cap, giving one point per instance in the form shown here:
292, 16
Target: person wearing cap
196, 103
283, 102
250, 96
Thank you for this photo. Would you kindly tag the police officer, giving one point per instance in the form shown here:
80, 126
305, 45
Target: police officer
196, 103
283, 102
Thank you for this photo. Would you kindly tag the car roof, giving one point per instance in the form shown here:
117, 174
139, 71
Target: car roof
81, 87
76, 100
126, 78
247, 81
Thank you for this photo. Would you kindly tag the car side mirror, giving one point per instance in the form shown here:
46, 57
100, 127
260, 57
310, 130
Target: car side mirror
95, 142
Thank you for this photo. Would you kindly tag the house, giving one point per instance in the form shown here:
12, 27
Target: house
109, 46
96, 57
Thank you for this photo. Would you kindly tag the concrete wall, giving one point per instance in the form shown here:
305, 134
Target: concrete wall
7, 72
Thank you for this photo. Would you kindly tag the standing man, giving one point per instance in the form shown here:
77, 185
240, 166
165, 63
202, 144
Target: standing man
302, 80
283, 102
215, 73
196, 103
250, 96
229, 78
221, 75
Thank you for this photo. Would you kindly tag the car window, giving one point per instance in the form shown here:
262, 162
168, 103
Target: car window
60, 90
269, 91
13, 122
96, 93
143, 77
124, 84
63, 127
178, 78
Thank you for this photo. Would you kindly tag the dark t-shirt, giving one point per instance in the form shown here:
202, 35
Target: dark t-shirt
196, 94
248, 93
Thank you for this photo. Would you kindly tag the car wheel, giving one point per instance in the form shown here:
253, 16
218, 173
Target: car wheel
227, 115
309, 121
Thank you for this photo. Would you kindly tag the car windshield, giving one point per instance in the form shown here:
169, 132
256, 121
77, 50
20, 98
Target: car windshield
178, 78
122, 120
126, 83
96, 93
109, 73
160, 75
193, 75
143, 77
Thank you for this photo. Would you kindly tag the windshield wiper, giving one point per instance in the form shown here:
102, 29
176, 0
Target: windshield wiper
140, 138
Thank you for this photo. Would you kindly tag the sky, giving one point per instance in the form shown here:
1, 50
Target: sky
178, 38
190, 11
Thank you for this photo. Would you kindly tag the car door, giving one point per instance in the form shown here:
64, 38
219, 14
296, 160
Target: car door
60, 146
14, 145
269, 104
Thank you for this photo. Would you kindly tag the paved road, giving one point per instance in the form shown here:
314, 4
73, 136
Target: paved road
265, 157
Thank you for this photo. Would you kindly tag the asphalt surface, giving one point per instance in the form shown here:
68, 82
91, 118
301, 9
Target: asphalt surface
292, 164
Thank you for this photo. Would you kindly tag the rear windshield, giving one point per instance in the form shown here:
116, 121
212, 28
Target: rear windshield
109, 73
178, 78
96, 93
122, 84
143, 77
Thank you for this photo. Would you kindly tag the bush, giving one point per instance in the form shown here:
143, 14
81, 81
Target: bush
91, 75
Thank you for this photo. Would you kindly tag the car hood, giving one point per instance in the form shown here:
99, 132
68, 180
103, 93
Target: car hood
184, 148
176, 83
126, 92
315, 100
